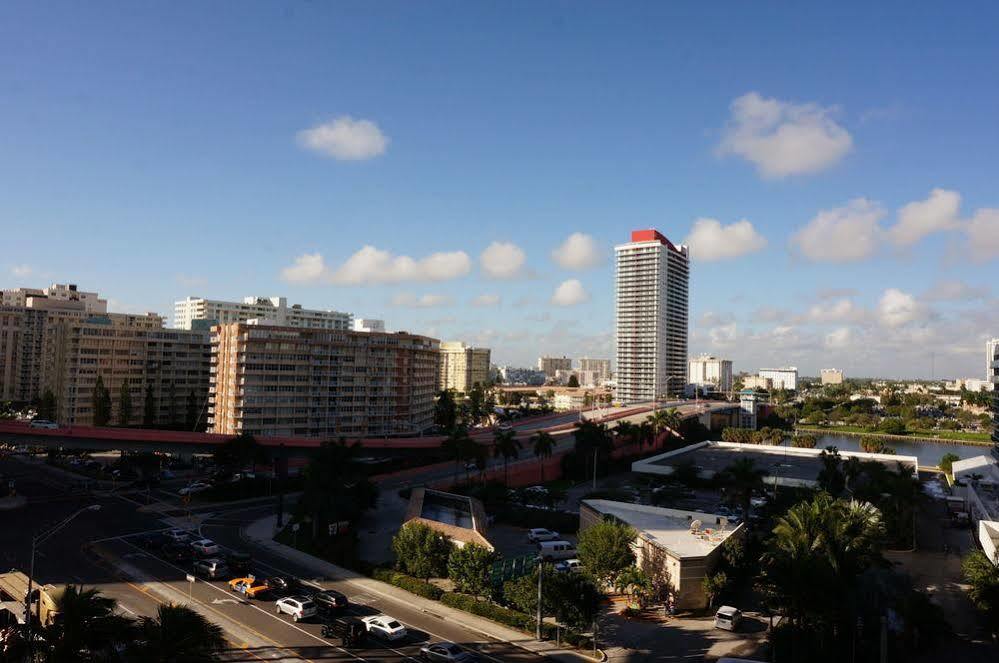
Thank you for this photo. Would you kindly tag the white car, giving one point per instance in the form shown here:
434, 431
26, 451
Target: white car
298, 607
540, 534
196, 487
43, 423
569, 565
178, 535
384, 626
205, 547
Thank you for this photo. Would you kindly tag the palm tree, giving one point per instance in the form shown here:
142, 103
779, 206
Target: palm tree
626, 430
178, 633
544, 445
455, 445
507, 446
664, 419
87, 627
742, 477
592, 439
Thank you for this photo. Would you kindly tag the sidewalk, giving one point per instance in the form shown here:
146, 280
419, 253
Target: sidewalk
261, 532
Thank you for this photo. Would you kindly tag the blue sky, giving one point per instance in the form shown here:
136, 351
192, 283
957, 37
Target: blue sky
156, 150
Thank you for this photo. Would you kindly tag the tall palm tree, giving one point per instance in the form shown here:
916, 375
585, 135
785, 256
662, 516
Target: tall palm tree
455, 446
626, 430
592, 439
665, 420
87, 627
178, 633
743, 477
544, 445
506, 446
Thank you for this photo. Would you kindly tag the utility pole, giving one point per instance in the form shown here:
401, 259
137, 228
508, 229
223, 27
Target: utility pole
541, 569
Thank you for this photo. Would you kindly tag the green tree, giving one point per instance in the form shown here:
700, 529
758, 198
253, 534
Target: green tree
506, 446
947, 463
544, 445
177, 633
636, 584
982, 574
124, 404
101, 403
172, 405
664, 420
149, 408
573, 382
470, 567
831, 478
420, 551
804, 441
605, 550
741, 478
459, 446
892, 426
88, 629
875, 445
47, 406
336, 486
446, 411
593, 443
571, 598
240, 453
476, 404
714, 585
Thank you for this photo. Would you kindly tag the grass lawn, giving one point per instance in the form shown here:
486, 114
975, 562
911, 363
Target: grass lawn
962, 436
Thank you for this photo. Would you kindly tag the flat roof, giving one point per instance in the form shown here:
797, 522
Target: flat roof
669, 528
790, 466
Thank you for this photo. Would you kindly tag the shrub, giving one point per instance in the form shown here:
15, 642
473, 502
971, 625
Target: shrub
421, 551
497, 613
409, 583
469, 568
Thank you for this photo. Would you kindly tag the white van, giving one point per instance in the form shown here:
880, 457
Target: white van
728, 618
552, 550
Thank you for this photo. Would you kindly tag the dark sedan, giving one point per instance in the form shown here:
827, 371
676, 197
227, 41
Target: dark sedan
329, 600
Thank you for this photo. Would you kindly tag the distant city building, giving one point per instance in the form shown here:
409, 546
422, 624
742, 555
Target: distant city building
369, 325
562, 376
597, 371
592, 378
832, 376
461, 367
651, 301
709, 370
749, 405
757, 382
521, 376
272, 309
54, 295
970, 384
274, 380
569, 400
781, 378
549, 365
991, 355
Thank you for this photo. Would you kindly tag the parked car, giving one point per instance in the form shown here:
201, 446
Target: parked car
384, 627
329, 600
569, 565
351, 631
250, 587
154, 540
196, 487
238, 562
177, 552
43, 423
212, 568
540, 534
205, 547
286, 585
556, 550
446, 651
728, 618
298, 607
178, 535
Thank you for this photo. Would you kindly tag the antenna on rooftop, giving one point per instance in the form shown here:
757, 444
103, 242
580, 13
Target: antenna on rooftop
695, 526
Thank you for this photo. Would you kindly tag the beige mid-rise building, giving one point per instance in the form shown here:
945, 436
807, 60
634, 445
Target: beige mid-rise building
273, 380
832, 376
461, 367
549, 365
55, 294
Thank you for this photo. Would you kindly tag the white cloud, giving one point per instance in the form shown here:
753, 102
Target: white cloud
723, 335
983, 234
570, 293
503, 260
709, 240
409, 300
954, 291
373, 266
898, 308
307, 268
839, 338
921, 218
486, 300
345, 139
22, 271
782, 138
837, 311
578, 251
841, 234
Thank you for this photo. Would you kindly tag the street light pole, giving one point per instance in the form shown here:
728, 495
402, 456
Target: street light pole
541, 568
36, 541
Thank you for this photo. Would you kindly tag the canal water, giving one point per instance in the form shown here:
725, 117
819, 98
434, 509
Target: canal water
928, 453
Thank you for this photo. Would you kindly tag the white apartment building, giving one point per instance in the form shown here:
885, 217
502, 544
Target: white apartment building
369, 325
271, 309
600, 369
709, 370
563, 402
781, 378
832, 376
651, 298
55, 294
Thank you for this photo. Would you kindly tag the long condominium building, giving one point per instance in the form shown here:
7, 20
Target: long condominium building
781, 378
550, 365
710, 370
462, 367
282, 380
56, 295
599, 368
274, 310
651, 311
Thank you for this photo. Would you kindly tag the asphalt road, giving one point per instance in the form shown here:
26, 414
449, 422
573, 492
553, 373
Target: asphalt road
140, 581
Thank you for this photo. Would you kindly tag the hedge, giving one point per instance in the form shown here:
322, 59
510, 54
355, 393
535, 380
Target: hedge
409, 583
512, 618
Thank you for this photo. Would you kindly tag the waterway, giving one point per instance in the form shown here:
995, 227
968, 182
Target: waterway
928, 453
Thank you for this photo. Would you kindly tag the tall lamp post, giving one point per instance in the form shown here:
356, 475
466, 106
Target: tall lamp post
36, 541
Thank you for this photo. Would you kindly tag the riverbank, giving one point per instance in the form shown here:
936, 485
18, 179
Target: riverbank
971, 439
